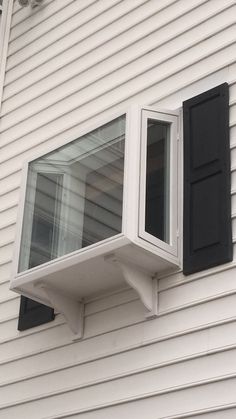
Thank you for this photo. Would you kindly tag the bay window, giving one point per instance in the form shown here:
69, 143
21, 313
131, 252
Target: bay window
101, 212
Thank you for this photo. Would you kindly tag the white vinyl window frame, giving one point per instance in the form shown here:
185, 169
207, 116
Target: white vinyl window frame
172, 122
132, 256
133, 210
23, 194
42, 168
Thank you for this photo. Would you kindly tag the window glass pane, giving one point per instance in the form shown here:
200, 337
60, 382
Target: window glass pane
157, 180
74, 196
44, 236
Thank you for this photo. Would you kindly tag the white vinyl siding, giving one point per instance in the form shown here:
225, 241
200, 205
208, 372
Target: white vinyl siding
69, 64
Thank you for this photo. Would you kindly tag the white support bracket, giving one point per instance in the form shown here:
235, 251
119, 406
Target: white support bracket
72, 310
141, 282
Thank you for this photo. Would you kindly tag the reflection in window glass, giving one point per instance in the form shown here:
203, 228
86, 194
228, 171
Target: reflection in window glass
157, 180
74, 196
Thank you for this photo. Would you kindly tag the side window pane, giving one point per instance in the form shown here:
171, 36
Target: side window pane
45, 226
157, 180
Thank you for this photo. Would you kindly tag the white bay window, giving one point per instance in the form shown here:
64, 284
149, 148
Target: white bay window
99, 213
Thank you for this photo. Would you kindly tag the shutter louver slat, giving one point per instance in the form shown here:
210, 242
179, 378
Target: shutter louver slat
207, 207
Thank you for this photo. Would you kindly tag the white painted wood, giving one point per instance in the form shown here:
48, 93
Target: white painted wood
72, 310
70, 65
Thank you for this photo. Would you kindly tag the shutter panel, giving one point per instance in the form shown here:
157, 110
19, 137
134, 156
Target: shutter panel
207, 203
33, 314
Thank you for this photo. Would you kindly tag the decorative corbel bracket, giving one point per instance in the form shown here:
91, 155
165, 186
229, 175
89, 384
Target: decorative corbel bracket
72, 310
145, 286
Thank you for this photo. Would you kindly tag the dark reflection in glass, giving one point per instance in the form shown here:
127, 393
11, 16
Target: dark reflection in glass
157, 180
44, 237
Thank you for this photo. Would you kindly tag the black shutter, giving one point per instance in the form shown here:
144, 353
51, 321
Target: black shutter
207, 209
33, 314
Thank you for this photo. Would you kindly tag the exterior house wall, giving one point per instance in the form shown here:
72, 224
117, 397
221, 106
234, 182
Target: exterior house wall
69, 64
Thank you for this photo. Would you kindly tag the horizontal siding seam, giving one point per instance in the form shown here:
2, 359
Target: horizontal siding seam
143, 20
180, 416
4, 281
66, 96
160, 314
7, 242
9, 299
8, 319
46, 18
115, 19
148, 342
190, 414
15, 12
201, 412
174, 361
71, 94
131, 44
198, 302
139, 397
30, 332
13, 205
5, 261
196, 276
116, 103
9, 68
208, 73
6, 225
131, 300
8, 190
